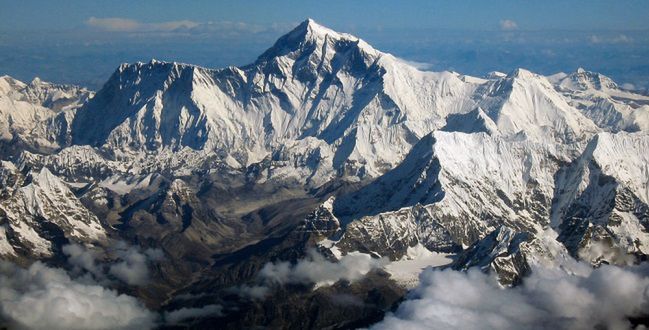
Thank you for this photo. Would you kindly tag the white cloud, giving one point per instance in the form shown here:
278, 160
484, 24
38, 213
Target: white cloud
508, 25
47, 298
622, 39
594, 39
629, 86
618, 39
222, 28
175, 317
129, 264
551, 299
252, 292
316, 269
82, 260
133, 264
418, 65
118, 24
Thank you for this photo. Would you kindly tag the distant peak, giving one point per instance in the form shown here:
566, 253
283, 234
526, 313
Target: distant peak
317, 28
309, 32
310, 28
309, 22
589, 79
521, 73
495, 75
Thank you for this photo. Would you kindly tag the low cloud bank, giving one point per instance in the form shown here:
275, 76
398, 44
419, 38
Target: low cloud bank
47, 298
316, 269
129, 264
133, 265
552, 299
177, 316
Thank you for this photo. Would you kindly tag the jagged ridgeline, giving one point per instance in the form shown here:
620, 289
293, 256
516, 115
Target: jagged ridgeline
322, 143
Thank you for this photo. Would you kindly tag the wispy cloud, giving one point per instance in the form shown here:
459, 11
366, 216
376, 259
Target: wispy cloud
126, 25
312, 270
616, 39
316, 269
177, 316
119, 24
129, 264
508, 25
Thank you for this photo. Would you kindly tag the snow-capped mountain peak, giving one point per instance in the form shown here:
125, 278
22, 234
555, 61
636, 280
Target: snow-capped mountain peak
583, 80
311, 36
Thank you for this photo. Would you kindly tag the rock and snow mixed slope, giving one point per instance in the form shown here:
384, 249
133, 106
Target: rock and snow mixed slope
41, 213
602, 205
453, 188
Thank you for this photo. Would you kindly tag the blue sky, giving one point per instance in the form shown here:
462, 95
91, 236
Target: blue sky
533, 15
83, 41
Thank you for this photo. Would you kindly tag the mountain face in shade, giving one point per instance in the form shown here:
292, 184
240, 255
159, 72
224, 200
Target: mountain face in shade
323, 145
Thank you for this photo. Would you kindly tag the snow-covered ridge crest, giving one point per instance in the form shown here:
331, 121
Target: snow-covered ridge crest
44, 208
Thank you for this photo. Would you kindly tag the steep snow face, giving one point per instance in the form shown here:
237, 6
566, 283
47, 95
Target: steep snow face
601, 100
128, 110
467, 184
43, 212
526, 103
602, 209
368, 107
38, 115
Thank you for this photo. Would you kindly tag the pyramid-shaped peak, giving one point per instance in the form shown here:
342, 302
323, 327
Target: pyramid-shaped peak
310, 30
312, 34
309, 26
